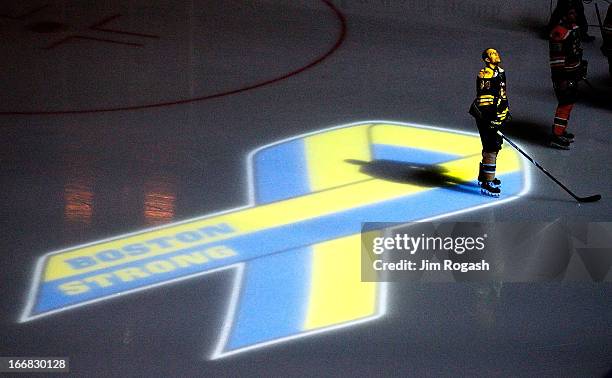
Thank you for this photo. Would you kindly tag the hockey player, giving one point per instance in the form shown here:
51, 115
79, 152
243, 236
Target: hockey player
561, 10
606, 33
567, 69
490, 109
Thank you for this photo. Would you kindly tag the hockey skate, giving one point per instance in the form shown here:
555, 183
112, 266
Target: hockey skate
488, 188
568, 136
495, 182
559, 142
482, 178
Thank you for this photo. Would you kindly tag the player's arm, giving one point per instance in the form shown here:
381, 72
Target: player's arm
503, 112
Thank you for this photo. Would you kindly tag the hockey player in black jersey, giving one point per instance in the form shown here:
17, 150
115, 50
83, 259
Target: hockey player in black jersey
490, 109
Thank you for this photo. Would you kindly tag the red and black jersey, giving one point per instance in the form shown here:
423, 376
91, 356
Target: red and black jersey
565, 51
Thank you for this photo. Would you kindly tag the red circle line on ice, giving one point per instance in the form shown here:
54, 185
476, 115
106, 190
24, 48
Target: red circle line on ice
339, 41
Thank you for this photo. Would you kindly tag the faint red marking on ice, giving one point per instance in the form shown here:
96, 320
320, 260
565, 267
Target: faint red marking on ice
83, 37
26, 14
339, 41
98, 26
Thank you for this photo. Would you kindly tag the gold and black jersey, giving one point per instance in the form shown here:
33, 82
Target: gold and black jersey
491, 98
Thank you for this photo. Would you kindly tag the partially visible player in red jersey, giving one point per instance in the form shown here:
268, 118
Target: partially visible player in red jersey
561, 10
567, 69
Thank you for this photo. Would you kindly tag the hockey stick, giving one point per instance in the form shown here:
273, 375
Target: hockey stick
550, 8
593, 198
599, 21
595, 90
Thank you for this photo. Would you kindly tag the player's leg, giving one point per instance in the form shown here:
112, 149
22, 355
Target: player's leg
491, 143
566, 92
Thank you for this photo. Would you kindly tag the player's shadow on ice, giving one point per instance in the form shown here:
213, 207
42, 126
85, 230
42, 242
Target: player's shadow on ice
532, 25
527, 131
425, 175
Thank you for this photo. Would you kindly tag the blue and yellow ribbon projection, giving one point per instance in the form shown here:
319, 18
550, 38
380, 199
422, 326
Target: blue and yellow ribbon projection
296, 248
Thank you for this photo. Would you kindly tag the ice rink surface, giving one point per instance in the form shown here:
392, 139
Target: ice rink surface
120, 116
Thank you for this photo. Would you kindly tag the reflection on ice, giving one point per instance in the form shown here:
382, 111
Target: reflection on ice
159, 202
78, 200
